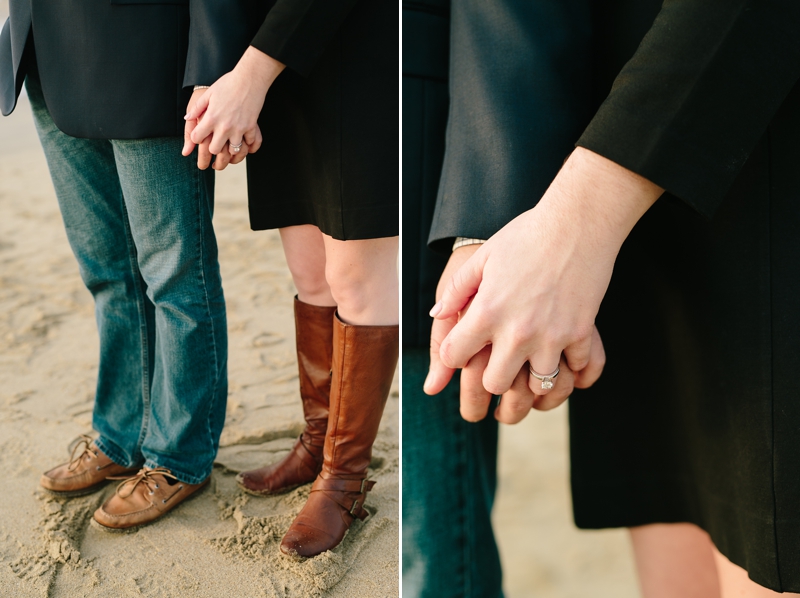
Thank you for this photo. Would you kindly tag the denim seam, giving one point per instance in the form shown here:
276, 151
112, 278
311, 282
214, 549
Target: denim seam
212, 402
463, 583
132, 256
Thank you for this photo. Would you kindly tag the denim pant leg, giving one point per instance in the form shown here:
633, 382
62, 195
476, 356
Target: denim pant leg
170, 207
449, 480
90, 198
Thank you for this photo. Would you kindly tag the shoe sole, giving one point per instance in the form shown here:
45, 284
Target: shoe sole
134, 528
84, 491
76, 493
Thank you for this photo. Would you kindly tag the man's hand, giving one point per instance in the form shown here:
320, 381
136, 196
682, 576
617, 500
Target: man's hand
203, 155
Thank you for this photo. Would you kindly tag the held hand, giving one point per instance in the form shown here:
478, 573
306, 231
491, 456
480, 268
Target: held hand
439, 374
203, 154
475, 399
516, 403
230, 107
543, 275
229, 156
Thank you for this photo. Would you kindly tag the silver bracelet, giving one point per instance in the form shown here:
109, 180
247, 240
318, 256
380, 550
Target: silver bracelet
196, 87
464, 241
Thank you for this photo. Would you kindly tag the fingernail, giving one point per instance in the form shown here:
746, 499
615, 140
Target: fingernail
186, 117
435, 310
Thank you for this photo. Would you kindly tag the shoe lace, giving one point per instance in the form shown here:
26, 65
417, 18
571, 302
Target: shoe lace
83, 442
145, 476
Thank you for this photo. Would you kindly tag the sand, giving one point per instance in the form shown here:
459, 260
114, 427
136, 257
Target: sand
544, 555
223, 543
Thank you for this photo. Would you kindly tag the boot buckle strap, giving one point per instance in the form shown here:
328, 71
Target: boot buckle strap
357, 510
359, 486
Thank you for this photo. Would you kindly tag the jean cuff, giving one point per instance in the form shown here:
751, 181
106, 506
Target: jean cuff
174, 467
110, 450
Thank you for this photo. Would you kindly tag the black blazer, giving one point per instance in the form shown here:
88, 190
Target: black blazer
426, 41
120, 69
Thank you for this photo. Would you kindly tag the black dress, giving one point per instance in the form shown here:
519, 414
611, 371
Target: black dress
696, 417
330, 121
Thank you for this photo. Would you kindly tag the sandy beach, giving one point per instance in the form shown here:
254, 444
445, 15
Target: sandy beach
224, 543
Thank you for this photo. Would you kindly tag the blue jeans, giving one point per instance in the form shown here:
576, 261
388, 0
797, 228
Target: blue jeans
449, 480
138, 219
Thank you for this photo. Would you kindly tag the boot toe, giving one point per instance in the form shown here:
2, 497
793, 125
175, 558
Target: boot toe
305, 541
253, 482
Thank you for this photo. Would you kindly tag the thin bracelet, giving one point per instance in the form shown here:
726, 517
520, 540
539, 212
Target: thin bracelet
464, 241
196, 87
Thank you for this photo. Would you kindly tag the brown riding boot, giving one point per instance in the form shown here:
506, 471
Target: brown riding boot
314, 333
364, 361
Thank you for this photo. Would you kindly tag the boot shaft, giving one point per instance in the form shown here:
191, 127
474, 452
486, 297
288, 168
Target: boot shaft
314, 341
364, 362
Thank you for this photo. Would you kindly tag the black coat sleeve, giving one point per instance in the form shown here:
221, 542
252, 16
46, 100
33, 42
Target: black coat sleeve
295, 32
218, 36
686, 111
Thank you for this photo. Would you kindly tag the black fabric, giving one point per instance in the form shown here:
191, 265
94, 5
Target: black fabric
121, 69
330, 155
519, 97
426, 34
296, 32
689, 107
696, 416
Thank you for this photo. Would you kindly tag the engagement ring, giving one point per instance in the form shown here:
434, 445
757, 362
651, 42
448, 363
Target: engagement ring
547, 381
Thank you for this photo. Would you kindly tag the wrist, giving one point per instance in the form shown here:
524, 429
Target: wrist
598, 198
259, 68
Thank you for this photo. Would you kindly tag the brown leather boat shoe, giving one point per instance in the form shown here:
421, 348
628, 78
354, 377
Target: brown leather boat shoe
142, 499
87, 471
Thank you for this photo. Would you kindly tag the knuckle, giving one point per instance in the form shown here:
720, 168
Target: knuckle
494, 385
446, 353
474, 402
516, 405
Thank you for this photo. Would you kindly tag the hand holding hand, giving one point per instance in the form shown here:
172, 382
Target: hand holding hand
230, 107
536, 286
517, 402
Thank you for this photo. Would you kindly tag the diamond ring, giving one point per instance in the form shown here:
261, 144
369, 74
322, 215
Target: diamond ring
235, 148
548, 380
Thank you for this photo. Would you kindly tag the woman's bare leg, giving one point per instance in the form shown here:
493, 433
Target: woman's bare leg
734, 582
675, 561
363, 280
305, 255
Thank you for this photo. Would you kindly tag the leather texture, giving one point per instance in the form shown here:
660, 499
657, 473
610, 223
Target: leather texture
150, 497
364, 361
314, 341
85, 475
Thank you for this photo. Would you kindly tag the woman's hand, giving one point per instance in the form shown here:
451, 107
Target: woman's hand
536, 286
228, 111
